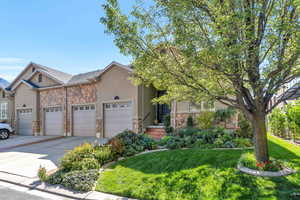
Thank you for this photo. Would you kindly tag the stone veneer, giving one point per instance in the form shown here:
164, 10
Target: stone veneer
77, 95
181, 120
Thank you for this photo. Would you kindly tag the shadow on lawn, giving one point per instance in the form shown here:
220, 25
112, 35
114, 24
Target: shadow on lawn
213, 173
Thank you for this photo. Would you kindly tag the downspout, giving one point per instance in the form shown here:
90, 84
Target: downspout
66, 111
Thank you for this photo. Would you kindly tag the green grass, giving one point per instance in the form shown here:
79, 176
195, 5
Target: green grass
200, 174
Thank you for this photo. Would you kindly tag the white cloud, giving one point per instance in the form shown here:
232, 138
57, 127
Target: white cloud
11, 60
7, 77
10, 67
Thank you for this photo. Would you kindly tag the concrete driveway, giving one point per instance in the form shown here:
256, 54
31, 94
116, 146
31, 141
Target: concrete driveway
25, 161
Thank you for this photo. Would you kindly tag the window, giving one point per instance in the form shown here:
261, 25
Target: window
33, 69
3, 94
204, 105
40, 78
3, 111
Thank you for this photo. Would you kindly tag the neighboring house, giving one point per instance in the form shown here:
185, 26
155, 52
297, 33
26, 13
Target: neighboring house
99, 103
6, 103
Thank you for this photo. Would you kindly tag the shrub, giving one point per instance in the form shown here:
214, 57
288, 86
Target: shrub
205, 119
189, 131
242, 142
72, 158
42, 174
175, 143
103, 154
163, 141
56, 178
80, 180
128, 143
190, 121
117, 146
222, 115
277, 122
167, 124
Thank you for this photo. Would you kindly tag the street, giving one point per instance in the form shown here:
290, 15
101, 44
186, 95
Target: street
14, 192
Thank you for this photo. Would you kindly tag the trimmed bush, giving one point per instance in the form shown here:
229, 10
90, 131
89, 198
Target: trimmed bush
72, 159
83, 181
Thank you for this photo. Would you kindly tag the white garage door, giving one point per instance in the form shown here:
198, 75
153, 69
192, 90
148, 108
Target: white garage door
84, 120
117, 118
25, 122
54, 123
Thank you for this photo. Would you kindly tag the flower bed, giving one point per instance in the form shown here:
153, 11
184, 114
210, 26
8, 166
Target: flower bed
272, 168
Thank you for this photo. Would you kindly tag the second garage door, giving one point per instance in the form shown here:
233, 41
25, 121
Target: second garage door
54, 123
117, 118
25, 122
84, 120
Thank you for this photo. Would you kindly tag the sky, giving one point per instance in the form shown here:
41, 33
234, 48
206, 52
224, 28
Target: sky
62, 34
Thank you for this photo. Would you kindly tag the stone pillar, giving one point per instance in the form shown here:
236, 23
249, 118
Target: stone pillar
137, 125
36, 128
99, 129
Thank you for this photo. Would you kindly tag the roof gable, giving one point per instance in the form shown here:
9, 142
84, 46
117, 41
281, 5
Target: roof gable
28, 73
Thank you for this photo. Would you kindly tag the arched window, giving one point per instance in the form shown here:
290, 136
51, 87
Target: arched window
40, 78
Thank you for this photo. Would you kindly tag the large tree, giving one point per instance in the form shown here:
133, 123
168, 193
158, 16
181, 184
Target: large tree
237, 52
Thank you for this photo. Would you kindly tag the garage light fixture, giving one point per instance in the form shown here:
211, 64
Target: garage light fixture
116, 98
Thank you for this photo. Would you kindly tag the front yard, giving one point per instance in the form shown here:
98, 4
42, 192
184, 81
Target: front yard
200, 174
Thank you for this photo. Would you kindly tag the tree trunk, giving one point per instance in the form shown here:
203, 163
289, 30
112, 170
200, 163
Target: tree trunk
260, 137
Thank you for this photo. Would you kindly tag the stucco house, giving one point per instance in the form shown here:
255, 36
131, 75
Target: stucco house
99, 103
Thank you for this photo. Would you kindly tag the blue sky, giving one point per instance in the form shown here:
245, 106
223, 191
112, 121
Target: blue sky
63, 34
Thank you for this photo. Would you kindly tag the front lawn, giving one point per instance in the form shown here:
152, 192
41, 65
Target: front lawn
200, 174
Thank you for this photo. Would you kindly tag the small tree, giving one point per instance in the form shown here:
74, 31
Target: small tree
239, 53
190, 121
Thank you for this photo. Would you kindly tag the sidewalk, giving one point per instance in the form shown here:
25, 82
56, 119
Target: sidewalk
35, 184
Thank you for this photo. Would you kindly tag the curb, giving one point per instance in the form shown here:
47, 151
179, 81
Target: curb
31, 143
42, 190
284, 172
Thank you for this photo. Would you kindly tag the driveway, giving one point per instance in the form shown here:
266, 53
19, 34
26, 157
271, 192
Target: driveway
25, 161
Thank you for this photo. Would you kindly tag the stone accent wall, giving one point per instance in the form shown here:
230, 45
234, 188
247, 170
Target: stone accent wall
82, 94
77, 95
99, 127
52, 97
181, 121
137, 125
48, 98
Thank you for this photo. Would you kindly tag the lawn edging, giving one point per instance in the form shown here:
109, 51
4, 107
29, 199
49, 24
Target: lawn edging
284, 172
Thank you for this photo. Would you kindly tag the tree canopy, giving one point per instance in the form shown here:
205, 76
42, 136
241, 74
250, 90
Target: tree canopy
238, 52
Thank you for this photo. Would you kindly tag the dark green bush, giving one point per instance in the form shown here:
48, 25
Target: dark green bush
83, 181
190, 121
56, 178
189, 131
175, 143
245, 128
129, 143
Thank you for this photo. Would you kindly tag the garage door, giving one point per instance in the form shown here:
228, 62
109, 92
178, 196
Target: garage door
54, 121
117, 118
25, 122
84, 120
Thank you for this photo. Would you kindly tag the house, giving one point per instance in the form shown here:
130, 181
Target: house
99, 103
6, 103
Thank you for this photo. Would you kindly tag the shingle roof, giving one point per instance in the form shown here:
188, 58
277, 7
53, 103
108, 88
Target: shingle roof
59, 75
84, 77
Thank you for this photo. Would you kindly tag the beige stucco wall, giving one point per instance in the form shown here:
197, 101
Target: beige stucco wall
184, 106
146, 107
115, 82
26, 97
26, 74
46, 81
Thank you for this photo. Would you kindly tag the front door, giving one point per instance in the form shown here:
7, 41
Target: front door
162, 111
